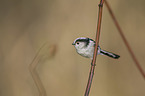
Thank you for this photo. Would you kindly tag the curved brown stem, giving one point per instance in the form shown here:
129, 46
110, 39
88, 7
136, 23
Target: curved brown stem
95, 50
125, 40
45, 52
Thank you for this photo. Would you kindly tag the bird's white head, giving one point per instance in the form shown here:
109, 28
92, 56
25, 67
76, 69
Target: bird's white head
81, 43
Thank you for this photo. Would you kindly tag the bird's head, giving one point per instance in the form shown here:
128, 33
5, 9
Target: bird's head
81, 42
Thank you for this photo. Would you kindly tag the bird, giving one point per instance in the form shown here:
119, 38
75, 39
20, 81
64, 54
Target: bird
85, 47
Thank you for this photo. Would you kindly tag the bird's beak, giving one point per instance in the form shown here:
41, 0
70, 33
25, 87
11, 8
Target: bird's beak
73, 43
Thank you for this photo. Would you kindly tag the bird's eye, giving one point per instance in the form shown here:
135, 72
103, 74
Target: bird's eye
78, 43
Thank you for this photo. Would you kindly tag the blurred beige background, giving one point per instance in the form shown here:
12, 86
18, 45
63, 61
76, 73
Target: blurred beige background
25, 25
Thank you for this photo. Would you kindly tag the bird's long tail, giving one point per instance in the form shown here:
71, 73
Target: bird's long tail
115, 56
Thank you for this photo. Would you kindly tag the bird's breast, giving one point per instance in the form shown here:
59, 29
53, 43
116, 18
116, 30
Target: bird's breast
88, 52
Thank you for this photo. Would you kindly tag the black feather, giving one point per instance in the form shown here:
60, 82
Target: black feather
115, 56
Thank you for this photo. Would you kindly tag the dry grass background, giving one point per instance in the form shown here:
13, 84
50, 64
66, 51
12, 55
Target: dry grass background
25, 25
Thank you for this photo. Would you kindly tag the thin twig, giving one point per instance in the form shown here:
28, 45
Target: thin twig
95, 50
125, 40
45, 52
